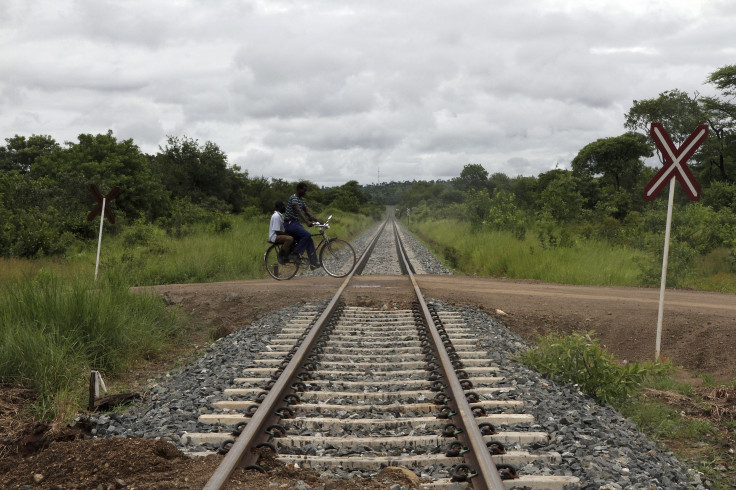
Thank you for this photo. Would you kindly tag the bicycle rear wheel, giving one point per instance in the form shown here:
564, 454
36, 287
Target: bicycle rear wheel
279, 269
337, 257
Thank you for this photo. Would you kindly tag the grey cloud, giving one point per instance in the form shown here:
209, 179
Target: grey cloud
334, 91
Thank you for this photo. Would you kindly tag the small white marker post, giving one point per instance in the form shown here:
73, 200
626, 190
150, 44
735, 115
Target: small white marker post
99, 241
100, 208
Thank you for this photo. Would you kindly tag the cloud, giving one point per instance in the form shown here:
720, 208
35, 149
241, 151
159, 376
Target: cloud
335, 91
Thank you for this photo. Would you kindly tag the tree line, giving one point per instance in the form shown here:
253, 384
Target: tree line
45, 196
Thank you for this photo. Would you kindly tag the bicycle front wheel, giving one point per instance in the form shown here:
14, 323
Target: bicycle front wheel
279, 269
337, 257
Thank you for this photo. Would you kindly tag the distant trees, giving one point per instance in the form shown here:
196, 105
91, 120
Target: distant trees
473, 177
45, 196
200, 173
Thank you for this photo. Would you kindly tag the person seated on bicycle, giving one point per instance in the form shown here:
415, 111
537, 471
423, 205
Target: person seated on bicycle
296, 208
277, 232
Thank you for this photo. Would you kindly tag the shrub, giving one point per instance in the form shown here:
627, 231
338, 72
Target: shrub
222, 223
505, 215
138, 233
580, 359
679, 262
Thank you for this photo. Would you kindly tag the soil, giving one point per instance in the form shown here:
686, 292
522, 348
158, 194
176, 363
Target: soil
699, 334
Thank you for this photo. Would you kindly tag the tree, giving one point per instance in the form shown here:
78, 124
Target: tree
677, 111
20, 153
347, 197
721, 118
419, 192
617, 159
106, 162
201, 173
724, 79
561, 199
472, 177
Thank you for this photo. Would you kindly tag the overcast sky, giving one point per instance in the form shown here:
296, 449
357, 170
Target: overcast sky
338, 90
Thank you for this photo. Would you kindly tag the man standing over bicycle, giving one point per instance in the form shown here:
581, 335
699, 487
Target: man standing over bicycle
296, 208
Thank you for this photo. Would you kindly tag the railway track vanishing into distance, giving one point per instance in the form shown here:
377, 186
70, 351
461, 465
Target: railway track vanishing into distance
372, 392
362, 389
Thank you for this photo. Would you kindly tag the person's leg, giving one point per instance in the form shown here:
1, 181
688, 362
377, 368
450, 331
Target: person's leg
286, 242
304, 241
311, 253
302, 236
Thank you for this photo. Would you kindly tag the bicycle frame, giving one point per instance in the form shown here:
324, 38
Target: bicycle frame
321, 233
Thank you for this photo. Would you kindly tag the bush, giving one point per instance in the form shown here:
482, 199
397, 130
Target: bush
184, 214
580, 359
222, 223
138, 233
679, 262
504, 215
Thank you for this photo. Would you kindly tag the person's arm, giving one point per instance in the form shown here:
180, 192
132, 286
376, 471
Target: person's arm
304, 213
306, 210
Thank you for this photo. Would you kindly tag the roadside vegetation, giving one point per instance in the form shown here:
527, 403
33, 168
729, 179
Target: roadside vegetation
53, 330
696, 421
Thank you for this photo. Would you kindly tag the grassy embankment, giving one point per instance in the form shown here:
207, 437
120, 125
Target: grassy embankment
56, 323
591, 262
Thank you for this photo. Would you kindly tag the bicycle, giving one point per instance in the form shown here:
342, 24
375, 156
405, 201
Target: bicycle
336, 256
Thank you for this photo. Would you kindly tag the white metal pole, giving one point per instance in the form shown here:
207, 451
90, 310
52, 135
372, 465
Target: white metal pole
99, 241
664, 266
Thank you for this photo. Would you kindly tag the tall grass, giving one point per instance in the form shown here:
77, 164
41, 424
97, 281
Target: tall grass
53, 331
500, 254
204, 256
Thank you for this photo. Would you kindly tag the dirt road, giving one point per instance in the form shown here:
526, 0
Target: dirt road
699, 328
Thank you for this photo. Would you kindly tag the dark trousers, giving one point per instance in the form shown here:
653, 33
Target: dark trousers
303, 238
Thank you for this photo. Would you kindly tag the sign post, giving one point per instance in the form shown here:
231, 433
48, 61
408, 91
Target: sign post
674, 168
102, 211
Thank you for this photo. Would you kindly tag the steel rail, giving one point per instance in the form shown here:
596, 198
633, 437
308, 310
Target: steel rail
360, 265
241, 454
479, 456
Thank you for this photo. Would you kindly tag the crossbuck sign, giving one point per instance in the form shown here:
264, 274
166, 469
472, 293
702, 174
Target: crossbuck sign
674, 168
674, 161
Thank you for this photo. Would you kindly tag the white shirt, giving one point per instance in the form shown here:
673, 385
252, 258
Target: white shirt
277, 224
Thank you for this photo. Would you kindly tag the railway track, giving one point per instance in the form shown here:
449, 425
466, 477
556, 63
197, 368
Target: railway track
360, 389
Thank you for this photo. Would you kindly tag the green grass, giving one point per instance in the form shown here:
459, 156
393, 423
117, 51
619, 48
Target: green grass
664, 422
666, 383
207, 256
713, 272
53, 331
500, 254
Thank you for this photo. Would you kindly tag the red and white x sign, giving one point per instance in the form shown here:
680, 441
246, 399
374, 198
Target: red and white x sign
674, 161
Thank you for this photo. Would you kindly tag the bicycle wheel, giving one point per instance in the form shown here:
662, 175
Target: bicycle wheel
337, 257
276, 267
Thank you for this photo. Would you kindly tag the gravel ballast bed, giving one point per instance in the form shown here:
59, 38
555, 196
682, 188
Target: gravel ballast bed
597, 444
